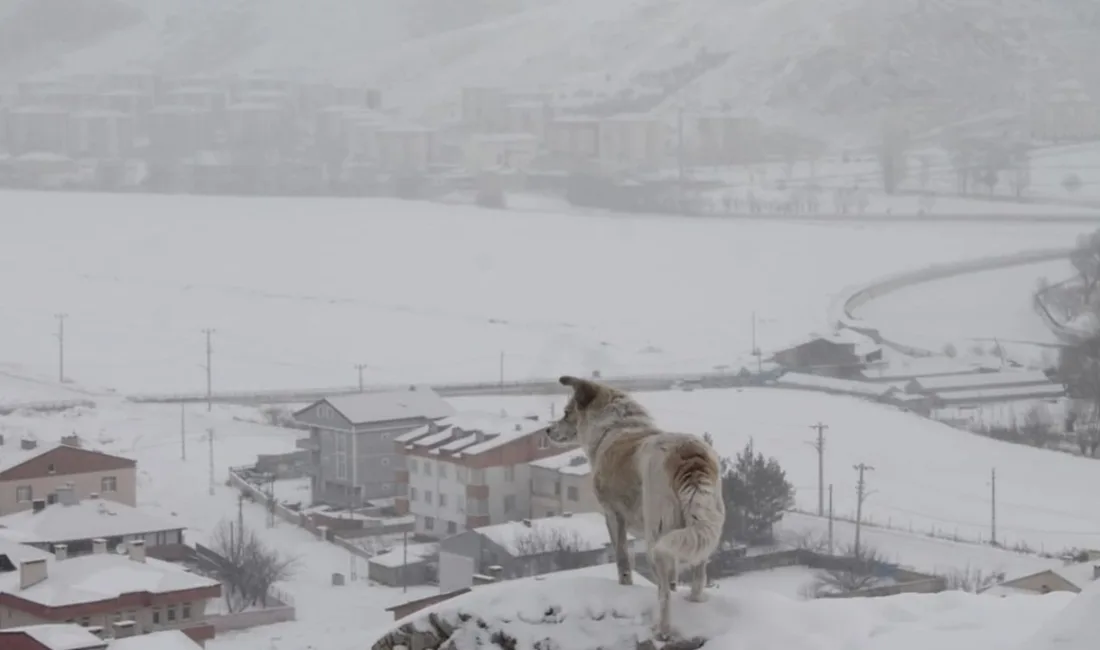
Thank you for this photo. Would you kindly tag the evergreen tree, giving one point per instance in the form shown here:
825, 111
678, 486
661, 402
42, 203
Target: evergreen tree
756, 492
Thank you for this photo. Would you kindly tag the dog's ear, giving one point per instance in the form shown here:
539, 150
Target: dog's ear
584, 391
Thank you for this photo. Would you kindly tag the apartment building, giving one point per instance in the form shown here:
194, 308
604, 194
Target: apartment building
352, 456
469, 470
29, 472
116, 595
562, 483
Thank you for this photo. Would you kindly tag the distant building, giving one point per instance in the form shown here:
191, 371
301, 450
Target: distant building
353, 458
53, 636
1072, 578
29, 472
837, 355
562, 483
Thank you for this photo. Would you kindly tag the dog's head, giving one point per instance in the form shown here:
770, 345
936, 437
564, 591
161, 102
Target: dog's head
587, 404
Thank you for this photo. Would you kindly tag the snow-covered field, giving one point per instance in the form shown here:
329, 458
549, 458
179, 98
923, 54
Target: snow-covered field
928, 476
301, 290
970, 312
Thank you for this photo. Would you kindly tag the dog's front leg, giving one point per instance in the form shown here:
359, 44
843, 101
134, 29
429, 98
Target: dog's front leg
616, 530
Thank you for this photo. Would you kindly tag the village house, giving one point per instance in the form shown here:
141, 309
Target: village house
1072, 578
405, 564
406, 149
352, 455
574, 139
1007, 385
1065, 113
55, 636
536, 546
483, 108
469, 470
29, 472
632, 142
562, 483
77, 523
493, 151
843, 355
724, 139
162, 640
105, 591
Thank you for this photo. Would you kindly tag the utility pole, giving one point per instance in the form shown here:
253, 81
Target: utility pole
993, 507
210, 439
680, 163
60, 346
405, 561
755, 348
183, 431
360, 367
861, 495
819, 445
502, 371
831, 519
209, 382
240, 512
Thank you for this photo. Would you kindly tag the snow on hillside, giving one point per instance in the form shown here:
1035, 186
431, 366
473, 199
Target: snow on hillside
301, 290
928, 476
585, 613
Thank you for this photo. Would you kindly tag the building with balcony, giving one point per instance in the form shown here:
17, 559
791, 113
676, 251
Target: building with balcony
469, 470
562, 483
352, 454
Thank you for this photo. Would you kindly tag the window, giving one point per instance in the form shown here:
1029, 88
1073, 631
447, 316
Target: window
51, 469
412, 466
86, 621
462, 503
156, 617
108, 484
385, 461
171, 614
24, 493
427, 496
429, 523
452, 528
325, 412
509, 503
462, 474
185, 611
442, 470
442, 499
412, 493
544, 442
571, 493
557, 488
427, 468
510, 473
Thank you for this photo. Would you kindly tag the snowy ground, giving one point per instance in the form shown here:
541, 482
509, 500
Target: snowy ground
972, 312
928, 476
300, 290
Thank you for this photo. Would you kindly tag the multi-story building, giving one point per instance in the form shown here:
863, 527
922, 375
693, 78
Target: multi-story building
469, 470
352, 457
29, 472
561, 484
107, 591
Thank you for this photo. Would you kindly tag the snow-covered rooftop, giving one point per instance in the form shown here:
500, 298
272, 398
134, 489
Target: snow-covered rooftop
92, 578
1076, 627
585, 531
398, 555
832, 384
57, 636
18, 552
86, 519
982, 380
470, 433
385, 406
12, 453
162, 640
573, 462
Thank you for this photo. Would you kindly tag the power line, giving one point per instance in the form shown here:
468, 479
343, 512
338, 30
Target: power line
60, 346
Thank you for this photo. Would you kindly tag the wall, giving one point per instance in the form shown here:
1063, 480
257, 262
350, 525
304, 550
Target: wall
251, 618
544, 501
83, 486
450, 485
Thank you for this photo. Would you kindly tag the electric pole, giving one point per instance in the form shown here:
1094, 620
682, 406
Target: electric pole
183, 431
831, 519
360, 367
210, 439
60, 346
861, 495
209, 382
680, 162
993, 507
755, 348
502, 371
240, 512
819, 445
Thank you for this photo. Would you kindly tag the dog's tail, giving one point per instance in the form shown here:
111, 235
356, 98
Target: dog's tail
693, 468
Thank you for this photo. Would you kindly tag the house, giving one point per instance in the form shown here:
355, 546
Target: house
632, 141
535, 546
1067, 112
483, 108
574, 138
491, 151
562, 483
38, 129
57, 636
404, 564
899, 370
469, 470
843, 354
79, 523
125, 593
406, 149
101, 134
1008, 379
725, 138
826, 384
353, 458
29, 472
1073, 578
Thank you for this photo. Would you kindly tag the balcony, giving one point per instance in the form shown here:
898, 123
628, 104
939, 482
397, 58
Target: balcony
477, 492
477, 507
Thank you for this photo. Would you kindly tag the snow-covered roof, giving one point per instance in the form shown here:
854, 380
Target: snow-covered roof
470, 433
573, 462
162, 640
104, 576
586, 531
1076, 627
910, 368
57, 636
18, 552
1080, 575
12, 454
87, 519
1003, 394
831, 384
386, 406
982, 380
398, 555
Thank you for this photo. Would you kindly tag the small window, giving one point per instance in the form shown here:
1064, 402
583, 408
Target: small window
452, 528
427, 496
24, 493
442, 470
427, 468
156, 617
185, 611
544, 442
429, 523
85, 621
50, 469
509, 503
557, 488
412, 493
571, 493
442, 499
412, 466
171, 613
510, 473
108, 484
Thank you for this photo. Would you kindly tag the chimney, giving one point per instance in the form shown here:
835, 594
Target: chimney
123, 629
31, 573
527, 522
28, 443
137, 550
38, 505
99, 546
519, 427
60, 551
93, 495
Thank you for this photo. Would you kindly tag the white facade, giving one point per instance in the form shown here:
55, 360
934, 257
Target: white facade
438, 500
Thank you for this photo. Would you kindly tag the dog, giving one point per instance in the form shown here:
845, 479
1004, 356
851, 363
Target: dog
665, 488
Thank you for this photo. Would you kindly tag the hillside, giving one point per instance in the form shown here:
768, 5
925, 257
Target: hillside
789, 60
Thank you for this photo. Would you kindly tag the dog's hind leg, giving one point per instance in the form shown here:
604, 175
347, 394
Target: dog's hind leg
664, 569
698, 583
616, 530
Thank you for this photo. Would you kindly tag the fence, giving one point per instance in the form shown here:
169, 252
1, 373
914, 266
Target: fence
280, 605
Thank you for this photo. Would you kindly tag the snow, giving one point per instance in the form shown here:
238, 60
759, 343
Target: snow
58, 636
1007, 378
928, 476
17, 552
574, 461
401, 554
89, 519
162, 640
311, 299
585, 531
363, 408
584, 613
818, 382
1076, 627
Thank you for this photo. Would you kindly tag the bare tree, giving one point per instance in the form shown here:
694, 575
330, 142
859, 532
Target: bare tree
972, 580
1085, 259
552, 548
1036, 427
247, 568
859, 571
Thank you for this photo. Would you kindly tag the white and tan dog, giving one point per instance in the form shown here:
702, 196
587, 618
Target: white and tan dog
662, 487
